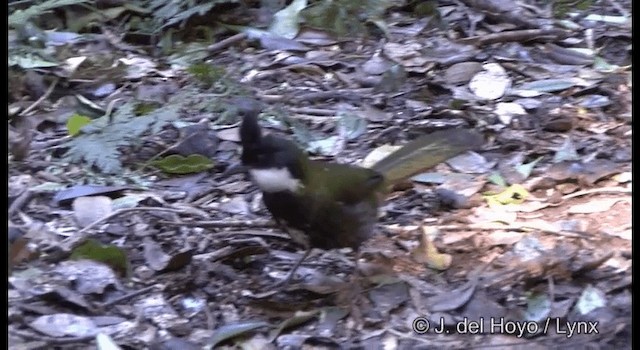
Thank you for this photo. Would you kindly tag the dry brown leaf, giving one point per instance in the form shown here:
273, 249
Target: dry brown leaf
594, 206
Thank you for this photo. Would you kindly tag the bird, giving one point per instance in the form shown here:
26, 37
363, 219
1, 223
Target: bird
329, 205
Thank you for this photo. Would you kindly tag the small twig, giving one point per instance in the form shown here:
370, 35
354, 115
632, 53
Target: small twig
342, 94
19, 202
515, 227
110, 107
48, 176
19, 2
209, 317
69, 243
221, 223
552, 289
270, 98
128, 296
124, 211
50, 143
260, 234
519, 36
226, 42
41, 99
313, 111
597, 190
232, 224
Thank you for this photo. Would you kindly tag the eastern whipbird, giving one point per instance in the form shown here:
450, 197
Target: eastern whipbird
330, 205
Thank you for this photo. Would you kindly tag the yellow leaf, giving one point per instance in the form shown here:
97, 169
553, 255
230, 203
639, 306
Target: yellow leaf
427, 253
514, 194
75, 123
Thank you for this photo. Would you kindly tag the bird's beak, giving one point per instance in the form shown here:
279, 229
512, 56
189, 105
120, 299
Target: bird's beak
236, 168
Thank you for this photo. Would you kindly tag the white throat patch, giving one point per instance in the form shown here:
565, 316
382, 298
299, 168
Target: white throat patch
275, 180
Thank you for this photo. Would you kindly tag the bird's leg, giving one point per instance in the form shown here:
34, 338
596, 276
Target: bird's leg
356, 269
292, 273
356, 292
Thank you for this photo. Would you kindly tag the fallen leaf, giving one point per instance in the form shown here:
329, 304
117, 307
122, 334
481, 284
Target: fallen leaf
504, 237
388, 297
68, 194
298, 318
75, 123
157, 309
567, 152
286, 22
427, 253
230, 134
461, 73
87, 210
105, 342
88, 276
594, 206
502, 214
60, 325
112, 255
491, 83
514, 194
233, 330
590, 299
471, 163
235, 205
452, 299
456, 236
162, 262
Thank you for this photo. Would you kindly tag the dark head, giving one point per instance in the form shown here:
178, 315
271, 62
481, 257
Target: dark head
250, 133
267, 151
274, 163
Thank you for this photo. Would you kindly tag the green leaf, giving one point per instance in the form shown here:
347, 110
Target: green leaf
566, 152
108, 254
526, 168
601, 65
177, 164
497, 179
75, 123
